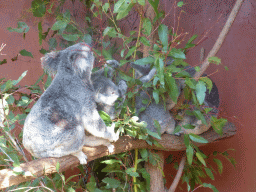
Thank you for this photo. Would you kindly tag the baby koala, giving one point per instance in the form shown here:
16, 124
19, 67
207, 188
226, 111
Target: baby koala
65, 118
104, 85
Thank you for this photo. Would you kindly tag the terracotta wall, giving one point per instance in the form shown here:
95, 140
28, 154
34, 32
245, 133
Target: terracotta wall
237, 86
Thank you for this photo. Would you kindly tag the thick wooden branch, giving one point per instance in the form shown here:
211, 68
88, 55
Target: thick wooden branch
46, 166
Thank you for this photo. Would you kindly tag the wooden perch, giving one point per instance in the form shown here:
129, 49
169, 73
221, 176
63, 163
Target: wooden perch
47, 166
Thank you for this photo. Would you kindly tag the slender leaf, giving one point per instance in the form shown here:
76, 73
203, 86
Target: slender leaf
145, 41
173, 88
131, 172
87, 38
218, 124
22, 28
197, 138
177, 53
38, 8
147, 26
61, 24
215, 60
23, 52
200, 158
40, 32
163, 35
180, 4
219, 165
210, 186
70, 37
200, 92
190, 153
15, 82
156, 96
154, 4
3, 62
145, 61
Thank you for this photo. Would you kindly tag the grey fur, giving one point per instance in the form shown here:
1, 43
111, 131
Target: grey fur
153, 111
166, 120
65, 117
107, 88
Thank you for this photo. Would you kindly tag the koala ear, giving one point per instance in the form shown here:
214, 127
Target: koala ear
50, 62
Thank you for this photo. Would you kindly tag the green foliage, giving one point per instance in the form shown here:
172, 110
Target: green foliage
101, 27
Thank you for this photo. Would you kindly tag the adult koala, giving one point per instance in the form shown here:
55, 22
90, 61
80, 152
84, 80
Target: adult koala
152, 110
65, 117
211, 100
103, 84
157, 112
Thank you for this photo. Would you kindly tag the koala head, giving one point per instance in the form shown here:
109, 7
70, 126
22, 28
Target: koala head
77, 59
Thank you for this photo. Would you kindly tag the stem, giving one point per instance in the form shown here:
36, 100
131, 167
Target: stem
135, 169
178, 175
214, 50
220, 39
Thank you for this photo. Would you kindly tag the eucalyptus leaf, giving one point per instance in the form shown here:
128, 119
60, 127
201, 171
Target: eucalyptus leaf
147, 26
22, 28
174, 91
218, 124
219, 165
38, 8
163, 35
15, 82
111, 183
197, 138
200, 92
70, 37
156, 96
210, 186
24, 52
144, 41
131, 172
177, 53
145, 61
61, 24
190, 153
215, 60
200, 158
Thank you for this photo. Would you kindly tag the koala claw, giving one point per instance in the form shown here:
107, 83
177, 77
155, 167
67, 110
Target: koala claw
111, 148
113, 136
179, 133
81, 156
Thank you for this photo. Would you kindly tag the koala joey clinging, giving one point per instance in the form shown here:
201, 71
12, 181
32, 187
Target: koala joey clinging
157, 112
110, 93
65, 117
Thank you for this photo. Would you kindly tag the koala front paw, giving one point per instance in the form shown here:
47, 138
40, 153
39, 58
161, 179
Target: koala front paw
81, 156
111, 148
113, 136
122, 86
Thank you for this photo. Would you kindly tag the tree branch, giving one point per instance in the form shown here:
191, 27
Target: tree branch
178, 175
47, 166
220, 39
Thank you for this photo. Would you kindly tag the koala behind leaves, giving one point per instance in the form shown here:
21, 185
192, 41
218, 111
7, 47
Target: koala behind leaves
65, 117
157, 112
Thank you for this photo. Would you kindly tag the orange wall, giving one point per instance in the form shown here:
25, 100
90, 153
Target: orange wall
237, 86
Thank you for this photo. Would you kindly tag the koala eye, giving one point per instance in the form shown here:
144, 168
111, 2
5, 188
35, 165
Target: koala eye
72, 57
